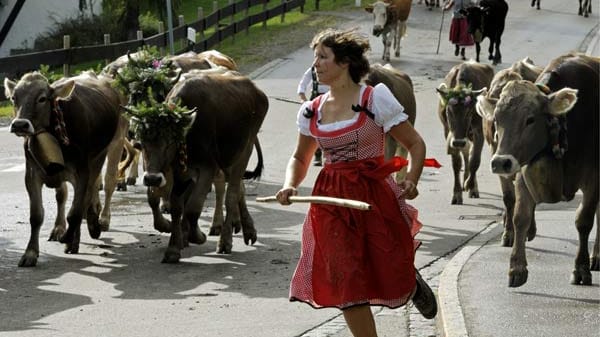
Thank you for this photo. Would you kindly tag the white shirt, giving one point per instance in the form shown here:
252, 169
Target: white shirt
386, 109
306, 84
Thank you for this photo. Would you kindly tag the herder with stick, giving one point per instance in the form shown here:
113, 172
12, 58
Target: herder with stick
352, 259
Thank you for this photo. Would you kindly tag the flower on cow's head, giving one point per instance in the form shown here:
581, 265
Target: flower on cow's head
156, 64
460, 94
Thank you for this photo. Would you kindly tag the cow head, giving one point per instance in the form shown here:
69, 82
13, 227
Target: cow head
34, 99
523, 117
161, 129
380, 12
459, 105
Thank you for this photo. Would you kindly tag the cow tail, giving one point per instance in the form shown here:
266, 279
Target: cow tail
403, 28
259, 166
125, 163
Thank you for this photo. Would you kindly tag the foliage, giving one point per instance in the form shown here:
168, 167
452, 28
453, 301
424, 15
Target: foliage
459, 94
159, 121
146, 70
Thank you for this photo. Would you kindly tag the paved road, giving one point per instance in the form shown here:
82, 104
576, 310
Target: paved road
117, 287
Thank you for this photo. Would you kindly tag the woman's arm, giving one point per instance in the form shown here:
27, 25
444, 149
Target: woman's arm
406, 135
297, 167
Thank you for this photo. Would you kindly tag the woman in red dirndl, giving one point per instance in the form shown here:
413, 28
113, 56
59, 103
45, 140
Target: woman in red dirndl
352, 259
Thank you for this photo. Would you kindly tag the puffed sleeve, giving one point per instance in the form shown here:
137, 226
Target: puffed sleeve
386, 108
303, 122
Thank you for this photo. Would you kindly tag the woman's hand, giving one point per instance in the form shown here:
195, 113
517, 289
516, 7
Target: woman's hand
409, 189
284, 194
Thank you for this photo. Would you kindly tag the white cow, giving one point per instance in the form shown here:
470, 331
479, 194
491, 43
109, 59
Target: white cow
390, 23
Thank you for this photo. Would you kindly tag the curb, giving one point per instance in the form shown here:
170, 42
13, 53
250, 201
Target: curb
451, 313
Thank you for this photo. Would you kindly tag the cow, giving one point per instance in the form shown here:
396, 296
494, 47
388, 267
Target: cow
401, 87
548, 136
585, 8
67, 126
462, 125
390, 23
522, 69
220, 137
208, 59
487, 20
536, 3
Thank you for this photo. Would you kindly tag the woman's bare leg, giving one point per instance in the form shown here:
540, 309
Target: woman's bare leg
360, 321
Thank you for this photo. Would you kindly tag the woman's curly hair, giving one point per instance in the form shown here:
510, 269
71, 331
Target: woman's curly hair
349, 46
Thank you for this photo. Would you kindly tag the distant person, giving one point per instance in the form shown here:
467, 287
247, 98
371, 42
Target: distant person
353, 259
459, 33
309, 80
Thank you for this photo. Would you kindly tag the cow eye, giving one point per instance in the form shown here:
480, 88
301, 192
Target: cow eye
529, 120
42, 99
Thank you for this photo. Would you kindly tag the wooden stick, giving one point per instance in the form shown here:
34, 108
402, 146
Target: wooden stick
363, 206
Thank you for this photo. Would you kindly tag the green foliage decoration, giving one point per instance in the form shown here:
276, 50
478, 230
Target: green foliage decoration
459, 94
146, 69
151, 122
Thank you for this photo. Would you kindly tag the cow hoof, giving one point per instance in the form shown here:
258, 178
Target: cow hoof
517, 278
197, 237
29, 259
72, 248
507, 240
473, 194
171, 256
215, 231
122, 187
397, 54
57, 233
457, 200
595, 263
250, 238
581, 277
94, 230
131, 181
224, 248
163, 225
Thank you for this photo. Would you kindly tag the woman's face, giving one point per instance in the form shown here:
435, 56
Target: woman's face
328, 70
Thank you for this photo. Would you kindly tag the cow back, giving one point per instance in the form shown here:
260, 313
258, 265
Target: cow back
399, 84
230, 111
401, 8
581, 72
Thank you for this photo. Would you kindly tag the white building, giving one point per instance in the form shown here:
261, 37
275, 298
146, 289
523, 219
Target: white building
34, 18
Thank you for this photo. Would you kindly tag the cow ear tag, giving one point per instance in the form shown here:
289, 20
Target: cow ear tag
543, 88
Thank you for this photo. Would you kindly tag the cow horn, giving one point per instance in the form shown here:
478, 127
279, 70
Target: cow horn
175, 78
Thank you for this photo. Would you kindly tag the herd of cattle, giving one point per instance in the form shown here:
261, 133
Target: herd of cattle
540, 122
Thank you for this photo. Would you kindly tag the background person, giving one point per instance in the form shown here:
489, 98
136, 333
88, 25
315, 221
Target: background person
309, 81
459, 34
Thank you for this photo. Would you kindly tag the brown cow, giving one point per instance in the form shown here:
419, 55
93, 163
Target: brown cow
548, 134
389, 22
210, 145
462, 125
401, 87
67, 127
522, 69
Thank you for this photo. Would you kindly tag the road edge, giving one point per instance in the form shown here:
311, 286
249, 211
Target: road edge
451, 318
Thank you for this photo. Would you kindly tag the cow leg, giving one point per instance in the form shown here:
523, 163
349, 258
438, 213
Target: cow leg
60, 224
33, 184
195, 203
248, 229
524, 209
173, 251
160, 223
595, 257
456, 167
474, 162
133, 169
113, 157
584, 221
81, 202
386, 46
218, 220
508, 197
580, 11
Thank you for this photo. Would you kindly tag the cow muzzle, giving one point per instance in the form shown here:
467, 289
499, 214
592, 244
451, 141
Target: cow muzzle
377, 30
154, 179
21, 127
458, 143
504, 165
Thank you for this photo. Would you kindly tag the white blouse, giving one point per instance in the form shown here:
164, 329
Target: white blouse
385, 107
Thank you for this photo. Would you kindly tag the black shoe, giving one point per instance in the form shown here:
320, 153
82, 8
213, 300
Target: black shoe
424, 299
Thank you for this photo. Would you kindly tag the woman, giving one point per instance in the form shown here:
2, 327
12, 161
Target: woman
352, 259
459, 34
